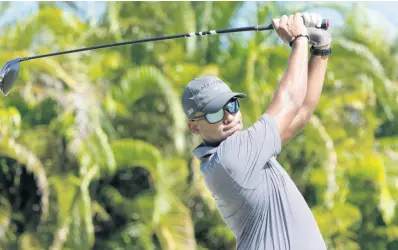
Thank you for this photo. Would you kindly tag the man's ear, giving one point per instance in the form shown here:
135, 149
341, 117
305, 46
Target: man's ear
193, 127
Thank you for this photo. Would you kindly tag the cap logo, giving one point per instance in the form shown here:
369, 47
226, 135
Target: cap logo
190, 111
211, 83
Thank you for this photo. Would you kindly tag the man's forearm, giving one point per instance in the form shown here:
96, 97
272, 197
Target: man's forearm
291, 91
316, 74
293, 86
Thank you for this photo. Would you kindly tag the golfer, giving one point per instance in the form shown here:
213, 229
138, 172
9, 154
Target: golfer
255, 196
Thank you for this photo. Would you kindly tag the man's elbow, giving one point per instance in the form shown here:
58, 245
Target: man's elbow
306, 114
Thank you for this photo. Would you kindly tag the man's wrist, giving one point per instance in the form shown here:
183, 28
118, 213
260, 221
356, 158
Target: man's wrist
321, 51
327, 46
300, 37
300, 41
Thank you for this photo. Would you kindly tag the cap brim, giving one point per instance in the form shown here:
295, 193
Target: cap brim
217, 103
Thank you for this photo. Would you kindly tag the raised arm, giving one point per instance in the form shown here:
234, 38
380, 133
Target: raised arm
316, 73
320, 40
245, 154
292, 89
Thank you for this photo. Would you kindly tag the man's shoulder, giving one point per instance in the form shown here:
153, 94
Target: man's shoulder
216, 176
211, 164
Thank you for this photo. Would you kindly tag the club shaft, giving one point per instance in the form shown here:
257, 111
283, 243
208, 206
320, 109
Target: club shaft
186, 35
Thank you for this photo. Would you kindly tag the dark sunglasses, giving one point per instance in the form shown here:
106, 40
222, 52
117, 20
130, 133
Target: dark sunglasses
232, 107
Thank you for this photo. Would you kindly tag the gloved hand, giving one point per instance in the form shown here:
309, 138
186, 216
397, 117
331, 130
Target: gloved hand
319, 38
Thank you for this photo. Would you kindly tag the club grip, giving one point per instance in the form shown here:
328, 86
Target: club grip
325, 25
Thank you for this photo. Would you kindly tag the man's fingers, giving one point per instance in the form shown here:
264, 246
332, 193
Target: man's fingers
312, 20
318, 20
297, 15
290, 20
275, 23
307, 19
298, 18
283, 21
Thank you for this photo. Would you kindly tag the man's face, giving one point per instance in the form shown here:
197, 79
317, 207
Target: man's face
218, 131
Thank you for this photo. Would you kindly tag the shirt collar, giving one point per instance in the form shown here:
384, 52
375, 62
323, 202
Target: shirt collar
205, 149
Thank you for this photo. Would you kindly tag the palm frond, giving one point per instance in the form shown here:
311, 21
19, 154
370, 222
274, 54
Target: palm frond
121, 205
81, 123
199, 186
29, 241
146, 79
170, 217
10, 148
249, 82
189, 17
131, 153
75, 211
136, 234
5, 216
375, 67
331, 186
49, 22
174, 223
60, 236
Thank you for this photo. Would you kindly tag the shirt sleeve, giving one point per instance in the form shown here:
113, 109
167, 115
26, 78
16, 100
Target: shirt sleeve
245, 154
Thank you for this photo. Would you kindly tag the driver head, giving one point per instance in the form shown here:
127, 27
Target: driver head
8, 75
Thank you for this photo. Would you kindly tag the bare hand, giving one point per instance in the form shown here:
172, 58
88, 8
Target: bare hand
288, 28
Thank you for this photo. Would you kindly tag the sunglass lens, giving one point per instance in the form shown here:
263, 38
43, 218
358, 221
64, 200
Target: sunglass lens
215, 117
233, 106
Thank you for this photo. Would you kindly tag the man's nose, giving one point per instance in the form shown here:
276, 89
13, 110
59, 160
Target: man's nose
228, 117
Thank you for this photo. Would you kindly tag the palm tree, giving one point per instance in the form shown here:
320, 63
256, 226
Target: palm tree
101, 135
80, 125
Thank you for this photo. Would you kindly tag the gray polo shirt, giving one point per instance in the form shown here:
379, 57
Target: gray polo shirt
255, 196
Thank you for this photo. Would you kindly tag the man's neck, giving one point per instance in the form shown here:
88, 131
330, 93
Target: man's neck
211, 144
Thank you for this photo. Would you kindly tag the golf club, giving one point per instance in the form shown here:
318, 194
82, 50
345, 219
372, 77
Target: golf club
10, 70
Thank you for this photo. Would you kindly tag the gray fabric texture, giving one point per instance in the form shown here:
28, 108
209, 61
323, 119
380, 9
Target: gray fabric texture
255, 196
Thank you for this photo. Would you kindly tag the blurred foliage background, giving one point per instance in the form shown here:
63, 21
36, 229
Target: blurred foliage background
94, 148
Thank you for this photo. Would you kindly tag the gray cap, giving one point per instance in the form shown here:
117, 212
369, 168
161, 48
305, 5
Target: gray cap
206, 94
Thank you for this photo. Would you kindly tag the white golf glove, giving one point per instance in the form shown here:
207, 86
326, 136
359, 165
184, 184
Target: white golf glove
318, 37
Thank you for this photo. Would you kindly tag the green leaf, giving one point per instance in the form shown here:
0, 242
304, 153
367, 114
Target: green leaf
100, 211
170, 217
66, 188
387, 204
29, 241
5, 216
338, 220
173, 222
121, 205
199, 186
132, 153
392, 233
10, 122
133, 236
146, 79
9, 148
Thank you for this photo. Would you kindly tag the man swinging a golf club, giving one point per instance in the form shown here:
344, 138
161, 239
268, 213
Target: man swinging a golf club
255, 196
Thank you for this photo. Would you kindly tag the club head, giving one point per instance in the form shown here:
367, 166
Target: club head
8, 75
